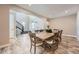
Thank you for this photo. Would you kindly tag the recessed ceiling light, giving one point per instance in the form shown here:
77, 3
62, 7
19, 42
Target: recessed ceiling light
66, 11
29, 5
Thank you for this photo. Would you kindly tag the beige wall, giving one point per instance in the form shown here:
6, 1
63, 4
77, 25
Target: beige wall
4, 24
67, 23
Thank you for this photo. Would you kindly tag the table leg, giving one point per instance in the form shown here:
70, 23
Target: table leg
34, 46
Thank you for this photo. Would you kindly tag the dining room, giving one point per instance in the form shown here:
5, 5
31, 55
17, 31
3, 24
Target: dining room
43, 29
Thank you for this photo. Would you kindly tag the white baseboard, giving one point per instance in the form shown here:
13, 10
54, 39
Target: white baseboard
2, 46
69, 35
78, 38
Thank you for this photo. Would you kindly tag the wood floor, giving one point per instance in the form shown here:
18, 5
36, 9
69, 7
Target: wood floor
69, 45
21, 45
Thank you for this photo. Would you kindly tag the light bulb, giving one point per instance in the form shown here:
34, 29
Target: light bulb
29, 5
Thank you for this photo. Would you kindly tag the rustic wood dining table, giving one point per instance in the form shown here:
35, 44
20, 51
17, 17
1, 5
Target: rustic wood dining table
43, 36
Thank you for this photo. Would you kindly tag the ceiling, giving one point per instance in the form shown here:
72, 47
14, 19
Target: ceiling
51, 10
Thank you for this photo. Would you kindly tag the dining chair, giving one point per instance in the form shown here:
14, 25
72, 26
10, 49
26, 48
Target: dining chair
51, 44
54, 45
35, 41
59, 35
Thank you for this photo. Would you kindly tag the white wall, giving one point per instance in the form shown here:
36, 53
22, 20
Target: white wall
12, 24
4, 24
66, 23
77, 25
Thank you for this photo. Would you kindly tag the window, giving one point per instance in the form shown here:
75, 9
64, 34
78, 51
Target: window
36, 23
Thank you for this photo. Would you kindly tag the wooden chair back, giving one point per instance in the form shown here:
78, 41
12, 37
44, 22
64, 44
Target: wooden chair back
34, 41
60, 35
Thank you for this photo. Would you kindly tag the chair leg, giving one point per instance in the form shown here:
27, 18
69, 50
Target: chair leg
35, 50
34, 46
60, 39
31, 48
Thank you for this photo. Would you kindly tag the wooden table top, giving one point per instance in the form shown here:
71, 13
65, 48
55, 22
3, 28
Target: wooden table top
44, 35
